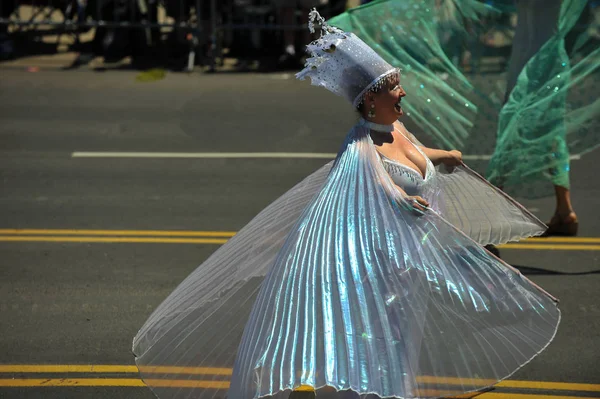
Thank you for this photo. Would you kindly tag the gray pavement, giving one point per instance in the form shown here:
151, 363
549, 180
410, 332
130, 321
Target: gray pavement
82, 303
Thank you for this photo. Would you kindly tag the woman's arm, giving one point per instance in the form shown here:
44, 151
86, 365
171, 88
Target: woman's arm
450, 158
437, 156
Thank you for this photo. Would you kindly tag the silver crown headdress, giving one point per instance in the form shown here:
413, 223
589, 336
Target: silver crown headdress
342, 63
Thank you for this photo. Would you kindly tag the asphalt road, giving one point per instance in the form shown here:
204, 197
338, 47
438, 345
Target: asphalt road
81, 303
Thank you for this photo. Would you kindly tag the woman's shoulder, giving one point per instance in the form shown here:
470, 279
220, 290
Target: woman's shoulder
399, 126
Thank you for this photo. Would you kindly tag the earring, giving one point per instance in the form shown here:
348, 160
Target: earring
371, 113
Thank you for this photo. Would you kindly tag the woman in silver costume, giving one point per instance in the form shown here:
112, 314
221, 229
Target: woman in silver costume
409, 163
367, 279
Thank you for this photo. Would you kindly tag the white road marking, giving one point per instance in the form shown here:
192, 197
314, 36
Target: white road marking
477, 157
223, 155
81, 154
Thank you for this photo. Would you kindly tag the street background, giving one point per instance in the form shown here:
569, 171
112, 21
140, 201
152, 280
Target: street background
81, 303
90, 245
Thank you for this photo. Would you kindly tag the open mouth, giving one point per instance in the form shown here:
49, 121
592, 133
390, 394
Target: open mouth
398, 106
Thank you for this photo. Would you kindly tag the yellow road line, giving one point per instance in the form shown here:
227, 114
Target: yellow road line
72, 382
189, 233
170, 240
220, 237
561, 386
109, 382
116, 239
498, 395
422, 392
589, 240
224, 371
75, 368
130, 382
66, 368
551, 247
305, 388
161, 233
555, 386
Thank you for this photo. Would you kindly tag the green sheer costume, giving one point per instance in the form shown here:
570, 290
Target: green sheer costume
553, 95
547, 114
406, 34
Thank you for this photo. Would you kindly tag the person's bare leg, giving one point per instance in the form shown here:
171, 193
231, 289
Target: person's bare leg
564, 208
564, 221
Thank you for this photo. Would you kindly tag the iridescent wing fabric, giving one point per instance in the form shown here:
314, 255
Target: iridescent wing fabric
365, 296
481, 211
477, 208
340, 285
188, 345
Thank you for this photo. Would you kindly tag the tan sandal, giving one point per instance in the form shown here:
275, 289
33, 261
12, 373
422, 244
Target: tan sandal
562, 226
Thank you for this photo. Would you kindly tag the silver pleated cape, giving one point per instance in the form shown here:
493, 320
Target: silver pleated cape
339, 285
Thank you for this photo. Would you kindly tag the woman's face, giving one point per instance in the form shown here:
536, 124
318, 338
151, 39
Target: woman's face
387, 102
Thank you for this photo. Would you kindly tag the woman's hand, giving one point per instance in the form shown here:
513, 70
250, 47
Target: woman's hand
453, 158
413, 202
417, 203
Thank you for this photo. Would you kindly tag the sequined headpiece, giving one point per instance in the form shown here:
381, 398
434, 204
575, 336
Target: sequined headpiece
342, 63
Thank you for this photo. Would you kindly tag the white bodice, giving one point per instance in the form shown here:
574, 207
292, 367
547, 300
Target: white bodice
407, 178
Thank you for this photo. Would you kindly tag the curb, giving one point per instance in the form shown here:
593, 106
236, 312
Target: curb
47, 62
